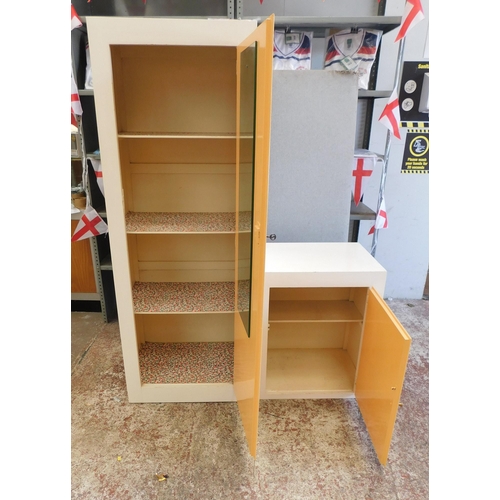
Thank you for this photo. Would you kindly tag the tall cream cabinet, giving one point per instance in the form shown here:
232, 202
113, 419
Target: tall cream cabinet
183, 110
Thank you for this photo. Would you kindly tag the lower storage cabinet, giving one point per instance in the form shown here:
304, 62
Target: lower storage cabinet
328, 333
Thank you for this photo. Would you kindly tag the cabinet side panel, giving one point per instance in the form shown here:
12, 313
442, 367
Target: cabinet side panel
139, 328
125, 171
102, 73
353, 341
121, 104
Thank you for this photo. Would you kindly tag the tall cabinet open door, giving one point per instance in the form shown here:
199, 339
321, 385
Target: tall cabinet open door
381, 371
254, 83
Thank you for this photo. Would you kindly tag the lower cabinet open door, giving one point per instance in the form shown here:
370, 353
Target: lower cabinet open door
381, 371
253, 128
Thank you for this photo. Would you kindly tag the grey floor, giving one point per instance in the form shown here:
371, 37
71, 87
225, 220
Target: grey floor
307, 449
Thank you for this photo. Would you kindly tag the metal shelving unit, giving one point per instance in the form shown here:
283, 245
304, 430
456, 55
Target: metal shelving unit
76, 216
99, 245
321, 27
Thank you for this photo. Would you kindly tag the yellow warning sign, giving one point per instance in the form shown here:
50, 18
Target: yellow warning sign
416, 155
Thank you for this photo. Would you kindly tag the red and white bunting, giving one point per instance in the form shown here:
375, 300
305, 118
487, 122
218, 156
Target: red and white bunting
90, 224
412, 15
76, 105
97, 166
75, 20
359, 172
391, 116
381, 220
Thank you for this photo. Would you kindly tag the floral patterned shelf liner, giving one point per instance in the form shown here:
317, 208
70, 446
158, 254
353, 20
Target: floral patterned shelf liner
185, 222
183, 297
186, 362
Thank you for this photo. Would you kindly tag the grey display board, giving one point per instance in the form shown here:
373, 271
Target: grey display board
312, 148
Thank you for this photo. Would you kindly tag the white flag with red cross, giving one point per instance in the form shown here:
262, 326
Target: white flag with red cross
381, 220
97, 166
76, 105
412, 15
75, 20
391, 116
90, 224
360, 171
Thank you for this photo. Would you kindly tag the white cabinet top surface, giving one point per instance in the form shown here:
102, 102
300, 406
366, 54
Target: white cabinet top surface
164, 31
322, 264
319, 257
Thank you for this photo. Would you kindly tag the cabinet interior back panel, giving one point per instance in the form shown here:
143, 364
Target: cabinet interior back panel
184, 248
306, 336
312, 293
165, 150
156, 192
175, 89
177, 257
188, 327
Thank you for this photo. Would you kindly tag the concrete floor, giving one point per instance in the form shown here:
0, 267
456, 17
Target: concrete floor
307, 449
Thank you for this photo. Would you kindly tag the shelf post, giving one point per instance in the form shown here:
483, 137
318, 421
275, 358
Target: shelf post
383, 177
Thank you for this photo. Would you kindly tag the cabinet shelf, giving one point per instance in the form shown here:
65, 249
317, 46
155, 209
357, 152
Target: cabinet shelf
307, 372
373, 94
179, 135
165, 363
185, 222
293, 311
318, 24
106, 264
183, 297
361, 212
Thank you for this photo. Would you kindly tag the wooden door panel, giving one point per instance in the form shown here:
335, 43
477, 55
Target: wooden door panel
247, 348
382, 365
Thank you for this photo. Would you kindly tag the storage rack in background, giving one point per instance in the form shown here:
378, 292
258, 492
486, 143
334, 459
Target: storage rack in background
88, 149
322, 27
